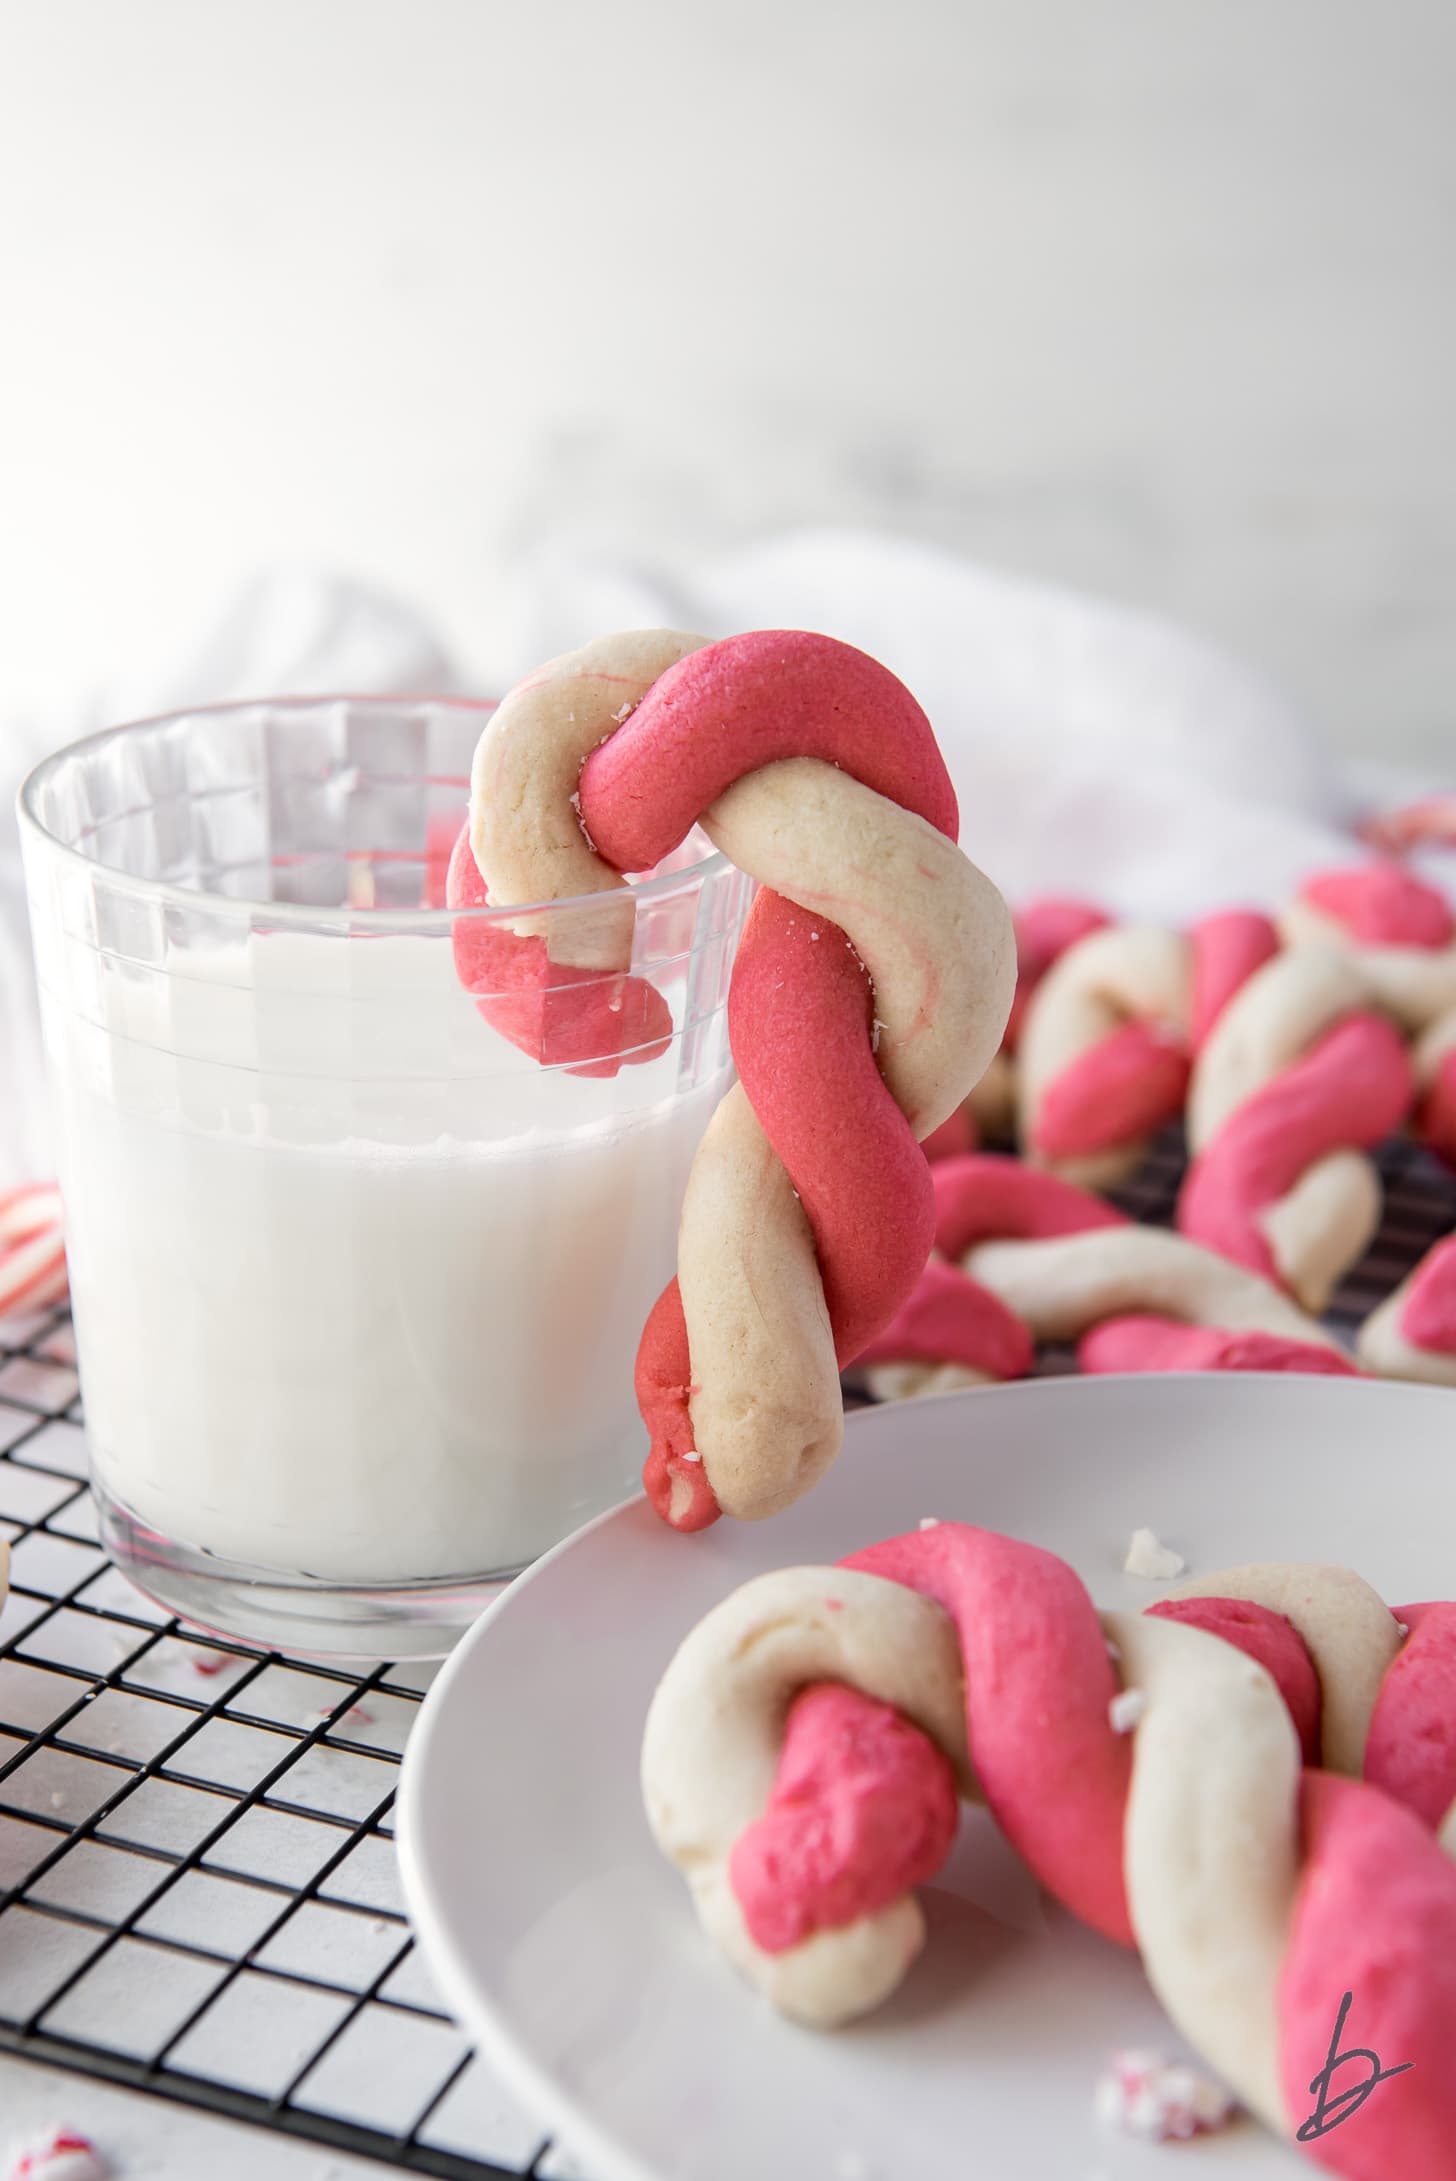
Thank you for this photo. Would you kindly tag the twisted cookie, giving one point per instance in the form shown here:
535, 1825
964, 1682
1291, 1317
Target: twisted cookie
1401, 934
803, 1815
1106, 1046
1299, 1078
1027, 1258
870, 990
952, 1331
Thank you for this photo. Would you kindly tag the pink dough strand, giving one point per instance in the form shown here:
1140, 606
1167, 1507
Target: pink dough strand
1374, 1925
1382, 905
1411, 1747
1428, 1316
951, 1318
864, 1808
1270, 1638
1227, 949
1126, 1085
1437, 1118
578, 1019
1038, 1686
993, 1197
1147, 1343
1045, 928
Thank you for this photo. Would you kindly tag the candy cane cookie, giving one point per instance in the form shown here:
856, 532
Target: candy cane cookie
1061, 1288
1299, 1078
32, 1248
1412, 1334
1150, 1770
1106, 1045
1402, 934
872, 983
1008, 1275
952, 1332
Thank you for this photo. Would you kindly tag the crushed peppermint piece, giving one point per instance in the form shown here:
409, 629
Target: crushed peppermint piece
324, 1716
1160, 2100
1125, 1710
1148, 1556
691, 1454
930, 1522
1402, 1628
208, 1663
59, 2155
625, 713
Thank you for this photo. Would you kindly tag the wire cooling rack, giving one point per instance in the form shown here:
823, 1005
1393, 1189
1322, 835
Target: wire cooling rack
198, 1894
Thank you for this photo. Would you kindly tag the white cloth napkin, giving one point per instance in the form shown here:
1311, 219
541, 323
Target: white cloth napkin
1095, 750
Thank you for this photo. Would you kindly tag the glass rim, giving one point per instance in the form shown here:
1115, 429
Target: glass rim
305, 916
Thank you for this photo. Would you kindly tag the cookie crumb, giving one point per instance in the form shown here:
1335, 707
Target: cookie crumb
58, 2155
1126, 1709
1149, 1557
1160, 2100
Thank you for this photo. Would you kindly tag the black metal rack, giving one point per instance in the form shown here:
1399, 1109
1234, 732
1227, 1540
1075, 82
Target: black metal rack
197, 1886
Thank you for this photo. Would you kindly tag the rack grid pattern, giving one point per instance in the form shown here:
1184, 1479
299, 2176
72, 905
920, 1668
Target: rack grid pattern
198, 1894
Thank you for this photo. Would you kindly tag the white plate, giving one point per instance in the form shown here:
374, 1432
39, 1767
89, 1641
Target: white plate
568, 1946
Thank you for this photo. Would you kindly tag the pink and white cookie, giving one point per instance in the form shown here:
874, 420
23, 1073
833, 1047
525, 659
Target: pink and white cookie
1302, 1075
1401, 933
1412, 1334
1062, 1281
1259, 1893
952, 1332
1023, 1257
1109, 1035
872, 982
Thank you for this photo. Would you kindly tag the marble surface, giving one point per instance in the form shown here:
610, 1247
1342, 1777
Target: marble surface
1146, 297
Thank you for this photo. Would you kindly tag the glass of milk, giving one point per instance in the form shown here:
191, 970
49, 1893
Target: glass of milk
357, 1284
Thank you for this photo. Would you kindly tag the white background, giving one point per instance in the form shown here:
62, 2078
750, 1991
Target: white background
1150, 295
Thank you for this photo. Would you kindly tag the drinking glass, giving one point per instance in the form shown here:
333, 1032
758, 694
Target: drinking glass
357, 1280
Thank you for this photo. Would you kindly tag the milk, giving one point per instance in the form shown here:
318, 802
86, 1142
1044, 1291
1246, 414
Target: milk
358, 1286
